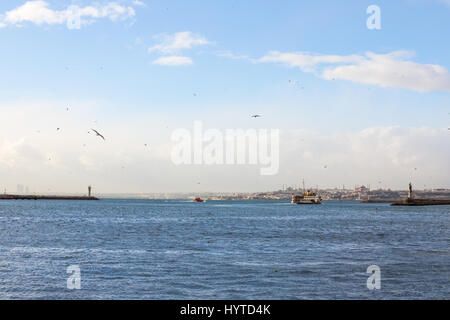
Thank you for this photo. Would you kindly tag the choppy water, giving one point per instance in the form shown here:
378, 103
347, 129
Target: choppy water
142, 249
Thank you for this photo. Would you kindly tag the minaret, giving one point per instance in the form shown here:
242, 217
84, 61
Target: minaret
89, 191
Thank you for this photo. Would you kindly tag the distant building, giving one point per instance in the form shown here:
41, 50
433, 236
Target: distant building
19, 189
361, 189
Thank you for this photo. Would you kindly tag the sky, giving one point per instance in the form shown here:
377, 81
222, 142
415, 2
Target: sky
353, 105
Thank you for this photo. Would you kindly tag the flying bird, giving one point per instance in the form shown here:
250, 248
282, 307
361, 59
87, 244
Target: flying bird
98, 134
256, 116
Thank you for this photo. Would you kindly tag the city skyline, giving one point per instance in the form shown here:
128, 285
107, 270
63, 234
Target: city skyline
353, 105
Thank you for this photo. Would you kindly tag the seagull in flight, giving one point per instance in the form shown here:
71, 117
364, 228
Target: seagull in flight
98, 134
256, 116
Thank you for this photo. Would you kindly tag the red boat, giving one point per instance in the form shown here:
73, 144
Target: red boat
198, 200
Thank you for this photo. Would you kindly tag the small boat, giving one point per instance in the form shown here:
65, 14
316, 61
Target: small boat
199, 200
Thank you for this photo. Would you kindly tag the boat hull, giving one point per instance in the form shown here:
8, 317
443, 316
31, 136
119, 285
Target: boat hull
306, 202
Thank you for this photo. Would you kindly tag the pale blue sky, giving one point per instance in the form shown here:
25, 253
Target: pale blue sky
34, 58
107, 69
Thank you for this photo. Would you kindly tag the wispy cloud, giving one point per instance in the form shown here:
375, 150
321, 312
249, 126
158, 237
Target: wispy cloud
305, 61
384, 70
173, 61
172, 44
177, 42
139, 3
389, 70
39, 12
231, 55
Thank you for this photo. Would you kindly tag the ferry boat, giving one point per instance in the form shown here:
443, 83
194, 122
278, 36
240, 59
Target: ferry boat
308, 197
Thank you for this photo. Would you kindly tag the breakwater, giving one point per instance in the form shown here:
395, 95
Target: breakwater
421, 202
380, 201
40, 197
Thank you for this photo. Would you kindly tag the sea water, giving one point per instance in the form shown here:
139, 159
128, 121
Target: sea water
178, 249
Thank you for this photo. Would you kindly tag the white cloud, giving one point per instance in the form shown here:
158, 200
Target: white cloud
230, 55
177, 42
123, 164
139, 3
173, 61
384, 70
39, 13
35, 154
14, 152
307, 62
388, 70
387, 154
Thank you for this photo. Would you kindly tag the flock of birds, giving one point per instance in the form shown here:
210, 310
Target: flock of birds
100, 135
